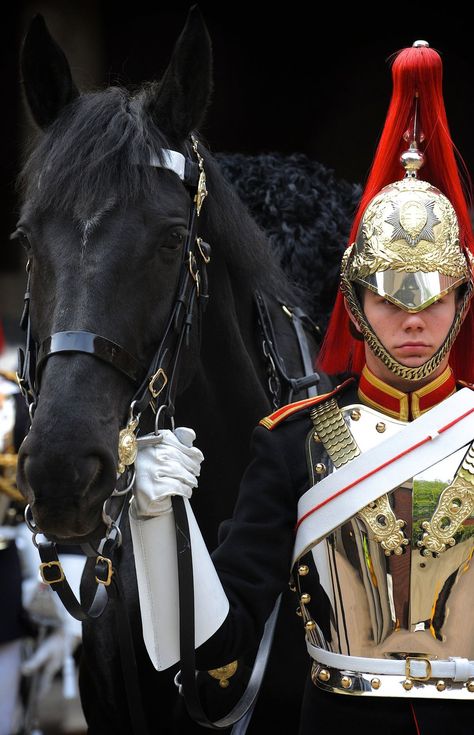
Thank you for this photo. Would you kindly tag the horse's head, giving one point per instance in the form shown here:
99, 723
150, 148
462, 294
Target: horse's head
108, 205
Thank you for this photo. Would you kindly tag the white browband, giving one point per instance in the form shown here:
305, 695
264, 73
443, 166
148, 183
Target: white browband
171, 160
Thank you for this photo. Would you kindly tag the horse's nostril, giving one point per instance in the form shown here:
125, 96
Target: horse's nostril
73, 477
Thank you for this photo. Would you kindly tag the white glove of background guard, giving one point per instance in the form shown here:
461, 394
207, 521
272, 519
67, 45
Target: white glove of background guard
167, 465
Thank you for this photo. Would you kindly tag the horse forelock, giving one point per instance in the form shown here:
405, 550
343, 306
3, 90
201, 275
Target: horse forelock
89, 155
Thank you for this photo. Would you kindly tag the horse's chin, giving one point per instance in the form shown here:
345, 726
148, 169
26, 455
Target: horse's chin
67, 527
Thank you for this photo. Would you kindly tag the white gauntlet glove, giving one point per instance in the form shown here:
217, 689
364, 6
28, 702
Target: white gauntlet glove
167, 464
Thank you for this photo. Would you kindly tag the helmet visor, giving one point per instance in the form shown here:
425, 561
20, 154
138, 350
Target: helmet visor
411, 291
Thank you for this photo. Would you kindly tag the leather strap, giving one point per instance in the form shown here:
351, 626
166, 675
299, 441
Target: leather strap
293, 385
455, 668
240, 714
92, 344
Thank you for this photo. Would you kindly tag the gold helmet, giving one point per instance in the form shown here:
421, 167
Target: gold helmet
406, 241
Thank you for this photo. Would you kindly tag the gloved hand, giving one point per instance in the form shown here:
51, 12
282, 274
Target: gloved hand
167, 464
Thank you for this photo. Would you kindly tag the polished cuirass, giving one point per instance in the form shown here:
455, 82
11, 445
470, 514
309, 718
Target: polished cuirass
396, 578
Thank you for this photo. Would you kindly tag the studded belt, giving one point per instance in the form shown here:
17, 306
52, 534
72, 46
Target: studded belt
418, 675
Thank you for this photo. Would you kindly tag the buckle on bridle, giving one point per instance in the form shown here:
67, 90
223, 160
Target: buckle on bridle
51, 565
160, 373
408, 672
108, 568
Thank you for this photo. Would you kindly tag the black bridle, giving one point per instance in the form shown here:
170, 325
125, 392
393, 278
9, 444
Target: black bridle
159, 379
155, 386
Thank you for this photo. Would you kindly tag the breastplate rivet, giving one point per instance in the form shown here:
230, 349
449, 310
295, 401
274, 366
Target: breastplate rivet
346, 682
316, 437
376, 683
303, 570
440, 685
470, 685
324, 675
320, 467
355, 414
407, 684
380, 427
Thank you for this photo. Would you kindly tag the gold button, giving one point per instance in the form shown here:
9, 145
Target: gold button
376, 683
380, 427
470, 685
305, 598
310, 625
407, 684
346, 682
324, 675
303, 570
355, 414
320, 467
440, 685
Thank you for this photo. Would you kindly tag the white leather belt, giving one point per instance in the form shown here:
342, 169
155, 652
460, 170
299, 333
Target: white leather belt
411, 667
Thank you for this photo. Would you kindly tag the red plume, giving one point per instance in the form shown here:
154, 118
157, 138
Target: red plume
415, 71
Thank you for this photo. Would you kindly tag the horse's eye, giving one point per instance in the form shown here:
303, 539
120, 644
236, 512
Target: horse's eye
174, 240
23, 239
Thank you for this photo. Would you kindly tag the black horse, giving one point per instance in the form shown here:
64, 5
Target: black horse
105, 220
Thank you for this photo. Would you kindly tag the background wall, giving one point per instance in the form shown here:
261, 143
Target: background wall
282, 81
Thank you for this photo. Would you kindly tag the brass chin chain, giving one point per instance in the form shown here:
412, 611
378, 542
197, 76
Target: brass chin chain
402, 371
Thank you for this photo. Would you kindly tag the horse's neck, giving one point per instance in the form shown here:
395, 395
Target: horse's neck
231, 368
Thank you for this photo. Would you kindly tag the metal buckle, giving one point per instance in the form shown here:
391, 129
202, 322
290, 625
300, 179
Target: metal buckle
160, 373
206, 258
408, 673
49, 565
110, 571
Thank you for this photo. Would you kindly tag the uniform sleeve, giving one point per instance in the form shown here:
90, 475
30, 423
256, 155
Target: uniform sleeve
254, 556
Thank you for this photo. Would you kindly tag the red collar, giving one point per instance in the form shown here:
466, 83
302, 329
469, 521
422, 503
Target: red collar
404, 406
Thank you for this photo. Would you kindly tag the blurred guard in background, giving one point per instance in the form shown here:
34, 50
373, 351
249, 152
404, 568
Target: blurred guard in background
37, 637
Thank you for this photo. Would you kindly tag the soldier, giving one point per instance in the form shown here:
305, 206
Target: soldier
376, 477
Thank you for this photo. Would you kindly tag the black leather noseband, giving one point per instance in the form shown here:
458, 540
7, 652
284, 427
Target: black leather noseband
92, 344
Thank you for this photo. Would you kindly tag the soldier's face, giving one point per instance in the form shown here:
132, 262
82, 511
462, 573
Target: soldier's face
411, 339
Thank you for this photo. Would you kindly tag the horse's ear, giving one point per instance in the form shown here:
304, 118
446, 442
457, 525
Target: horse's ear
46, 74
178, 104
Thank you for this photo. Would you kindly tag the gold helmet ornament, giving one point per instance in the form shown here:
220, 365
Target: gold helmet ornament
407, 245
